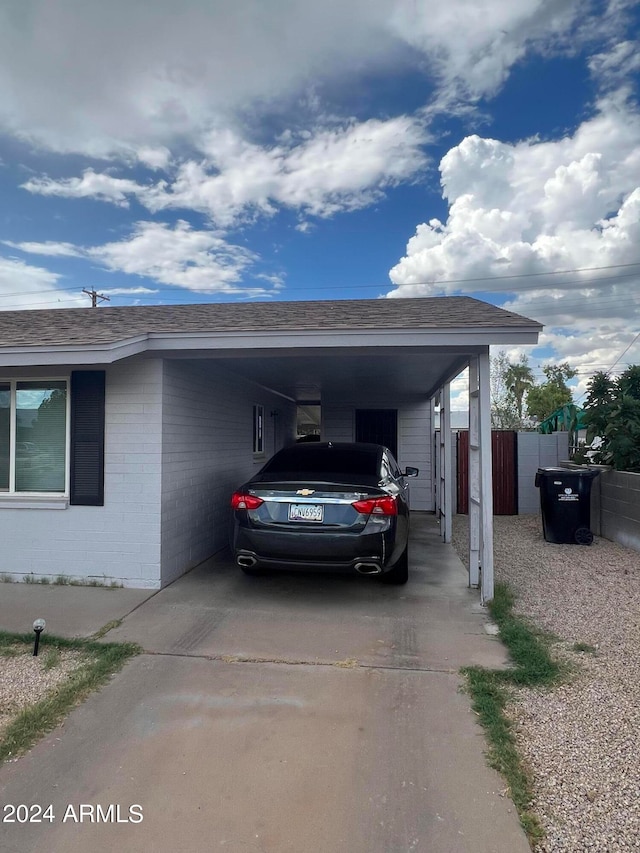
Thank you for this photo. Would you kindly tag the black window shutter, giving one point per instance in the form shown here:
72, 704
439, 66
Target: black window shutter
87, 437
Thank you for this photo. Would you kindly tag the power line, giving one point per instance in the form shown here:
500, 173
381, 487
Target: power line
610, 369
580, 282
525, 275
551, 308
624, 353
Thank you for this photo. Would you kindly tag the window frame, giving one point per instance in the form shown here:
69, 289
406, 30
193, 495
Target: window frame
13, 382
258, 430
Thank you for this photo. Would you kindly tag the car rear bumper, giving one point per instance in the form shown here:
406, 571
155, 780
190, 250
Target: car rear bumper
338, 551
364, 565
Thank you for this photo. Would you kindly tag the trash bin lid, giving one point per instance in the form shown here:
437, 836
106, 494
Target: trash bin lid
573, 472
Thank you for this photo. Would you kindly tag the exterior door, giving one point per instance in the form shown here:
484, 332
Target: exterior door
379, 426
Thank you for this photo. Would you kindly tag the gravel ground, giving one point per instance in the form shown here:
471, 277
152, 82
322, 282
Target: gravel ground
25, 679
582, 739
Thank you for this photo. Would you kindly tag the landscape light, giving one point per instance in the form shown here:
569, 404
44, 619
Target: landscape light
38, 626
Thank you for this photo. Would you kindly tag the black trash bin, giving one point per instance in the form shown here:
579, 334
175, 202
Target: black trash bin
565, 501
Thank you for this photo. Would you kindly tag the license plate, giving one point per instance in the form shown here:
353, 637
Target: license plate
306, 512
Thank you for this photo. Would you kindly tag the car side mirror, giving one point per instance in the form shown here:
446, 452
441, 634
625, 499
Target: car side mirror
411, 472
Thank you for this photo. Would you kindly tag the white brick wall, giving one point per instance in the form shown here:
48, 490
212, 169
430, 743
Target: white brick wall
337, 423
414, 448
537, 451
121, 540
207, 452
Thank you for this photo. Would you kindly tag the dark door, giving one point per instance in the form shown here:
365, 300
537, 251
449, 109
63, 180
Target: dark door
379, 426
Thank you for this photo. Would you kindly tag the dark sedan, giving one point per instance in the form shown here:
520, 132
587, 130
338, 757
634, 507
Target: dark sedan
325, 505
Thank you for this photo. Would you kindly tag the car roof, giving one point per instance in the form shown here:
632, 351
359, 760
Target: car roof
357, 445
312, 447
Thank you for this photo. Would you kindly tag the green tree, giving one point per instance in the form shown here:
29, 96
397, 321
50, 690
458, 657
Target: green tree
598, 404
612, 413
544, 399
519, 381
504, 413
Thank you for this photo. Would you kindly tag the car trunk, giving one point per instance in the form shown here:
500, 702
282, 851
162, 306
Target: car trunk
318, 506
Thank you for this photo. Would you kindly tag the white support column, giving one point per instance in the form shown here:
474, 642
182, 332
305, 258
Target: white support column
439, 455
486, 484
433, 453
445, 463
474, 475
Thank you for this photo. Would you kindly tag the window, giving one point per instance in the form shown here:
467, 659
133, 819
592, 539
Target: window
396, 473
258, 429
313, 461
33, 436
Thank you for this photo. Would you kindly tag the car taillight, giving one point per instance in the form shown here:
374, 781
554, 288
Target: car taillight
240, 500
377, 506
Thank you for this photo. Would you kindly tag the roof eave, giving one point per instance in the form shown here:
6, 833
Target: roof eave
103, 353
273, 339
319, 338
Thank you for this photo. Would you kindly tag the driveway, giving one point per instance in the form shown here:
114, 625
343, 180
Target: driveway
282, 714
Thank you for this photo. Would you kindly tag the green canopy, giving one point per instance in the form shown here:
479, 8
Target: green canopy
565, 419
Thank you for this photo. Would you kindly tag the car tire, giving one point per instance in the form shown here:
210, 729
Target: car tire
399, 574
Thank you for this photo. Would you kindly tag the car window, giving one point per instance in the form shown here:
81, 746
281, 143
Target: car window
319, 460
385, 469
395, 468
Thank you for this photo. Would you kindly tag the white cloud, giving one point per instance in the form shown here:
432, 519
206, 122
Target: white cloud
534, 208
460, 392
334, 170
615, 65
128, 291
143, 76
101, 186
472, 44
50, 248
276, 280
26, 286
200, 261
154, 158
320, 174
531, 207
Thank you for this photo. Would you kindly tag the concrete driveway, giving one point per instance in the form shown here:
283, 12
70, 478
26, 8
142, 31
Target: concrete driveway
282, 714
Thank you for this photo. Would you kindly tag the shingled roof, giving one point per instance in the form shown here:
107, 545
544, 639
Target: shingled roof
85, 326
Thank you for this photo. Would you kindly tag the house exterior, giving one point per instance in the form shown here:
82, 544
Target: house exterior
123, 431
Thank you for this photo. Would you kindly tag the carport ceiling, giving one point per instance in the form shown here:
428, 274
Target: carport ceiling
415, 373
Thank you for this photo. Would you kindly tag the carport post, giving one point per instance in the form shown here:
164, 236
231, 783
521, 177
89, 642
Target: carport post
474, 475
435, 455
445, 463
486, 483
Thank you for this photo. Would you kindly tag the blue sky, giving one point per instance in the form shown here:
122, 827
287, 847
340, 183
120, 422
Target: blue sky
209, 151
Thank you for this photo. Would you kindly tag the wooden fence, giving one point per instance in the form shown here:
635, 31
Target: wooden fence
504, 455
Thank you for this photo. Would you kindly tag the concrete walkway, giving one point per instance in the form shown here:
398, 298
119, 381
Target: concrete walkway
69, 611
283, 714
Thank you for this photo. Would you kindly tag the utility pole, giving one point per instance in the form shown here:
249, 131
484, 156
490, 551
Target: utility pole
95, 297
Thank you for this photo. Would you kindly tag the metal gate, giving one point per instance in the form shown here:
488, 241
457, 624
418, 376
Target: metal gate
504, 459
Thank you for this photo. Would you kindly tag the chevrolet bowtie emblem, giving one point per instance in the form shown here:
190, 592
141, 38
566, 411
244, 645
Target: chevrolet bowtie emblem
305, 492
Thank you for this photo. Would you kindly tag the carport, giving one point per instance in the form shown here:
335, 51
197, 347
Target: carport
376, 353
180, 379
